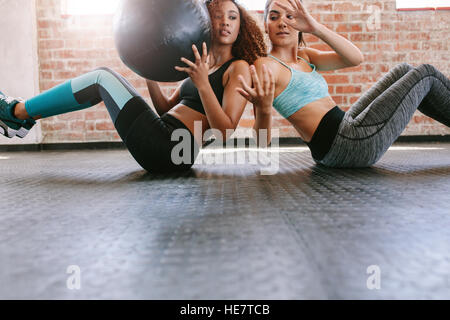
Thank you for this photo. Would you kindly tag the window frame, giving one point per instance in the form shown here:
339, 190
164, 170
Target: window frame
432, 8
65, 11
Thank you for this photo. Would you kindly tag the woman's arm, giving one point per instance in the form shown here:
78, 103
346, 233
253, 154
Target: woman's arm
160, 101
219, 117
345, 53
261, 96
227, 116
263, 126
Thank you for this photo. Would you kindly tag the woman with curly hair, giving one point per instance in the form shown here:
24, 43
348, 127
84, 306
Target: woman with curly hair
291, 84
208, 96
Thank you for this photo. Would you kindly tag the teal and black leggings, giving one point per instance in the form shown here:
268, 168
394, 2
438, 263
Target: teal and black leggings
361, 136
147, 136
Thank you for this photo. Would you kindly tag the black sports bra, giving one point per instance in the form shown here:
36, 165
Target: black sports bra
189, 94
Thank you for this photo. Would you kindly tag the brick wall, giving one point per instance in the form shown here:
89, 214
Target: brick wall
72, 45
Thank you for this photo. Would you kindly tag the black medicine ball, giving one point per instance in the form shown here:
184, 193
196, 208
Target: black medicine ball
152, 35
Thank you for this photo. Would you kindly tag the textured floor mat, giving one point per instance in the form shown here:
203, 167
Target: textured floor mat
225, 231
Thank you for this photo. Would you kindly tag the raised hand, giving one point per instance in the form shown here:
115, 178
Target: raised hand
301, 19
197, 71
261, 95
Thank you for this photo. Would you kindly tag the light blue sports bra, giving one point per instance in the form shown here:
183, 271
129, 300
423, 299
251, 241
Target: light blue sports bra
304, 88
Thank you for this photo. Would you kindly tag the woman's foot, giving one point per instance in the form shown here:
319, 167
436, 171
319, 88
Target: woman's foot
26, 127
10, 126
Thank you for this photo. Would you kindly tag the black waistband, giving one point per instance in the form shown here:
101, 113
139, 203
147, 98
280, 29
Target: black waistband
325, 133
173, 122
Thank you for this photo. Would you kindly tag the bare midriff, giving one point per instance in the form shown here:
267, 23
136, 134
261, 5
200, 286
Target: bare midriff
189, 116
307, 119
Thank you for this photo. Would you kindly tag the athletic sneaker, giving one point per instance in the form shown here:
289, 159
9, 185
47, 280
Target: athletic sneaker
26, 127
10, 126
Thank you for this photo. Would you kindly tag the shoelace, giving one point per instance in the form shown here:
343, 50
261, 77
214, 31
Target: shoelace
10, 99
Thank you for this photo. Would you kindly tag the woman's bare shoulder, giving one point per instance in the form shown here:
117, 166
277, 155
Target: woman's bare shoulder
239, 63
268, 61
304, 53
238, 66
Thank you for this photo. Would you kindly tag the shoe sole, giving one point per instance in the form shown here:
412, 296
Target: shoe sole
22, 132
7, 131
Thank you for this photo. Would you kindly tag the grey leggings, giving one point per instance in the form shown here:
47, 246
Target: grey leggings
378, 118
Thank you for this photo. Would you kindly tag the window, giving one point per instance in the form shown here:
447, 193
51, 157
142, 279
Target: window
257, 5
95, 7
89, 7
423, 4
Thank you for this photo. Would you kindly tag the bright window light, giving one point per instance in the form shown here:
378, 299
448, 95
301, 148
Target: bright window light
90, 7
423, 4
96, 7
253, 4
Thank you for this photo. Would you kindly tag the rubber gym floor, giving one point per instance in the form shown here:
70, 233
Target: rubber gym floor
95, 219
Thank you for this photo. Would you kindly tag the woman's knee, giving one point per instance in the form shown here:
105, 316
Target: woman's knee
99, 74
107, 74
426, 69
405, 66
104, 69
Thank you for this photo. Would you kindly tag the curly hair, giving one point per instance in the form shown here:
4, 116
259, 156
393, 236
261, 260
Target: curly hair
249, 44
301, 41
